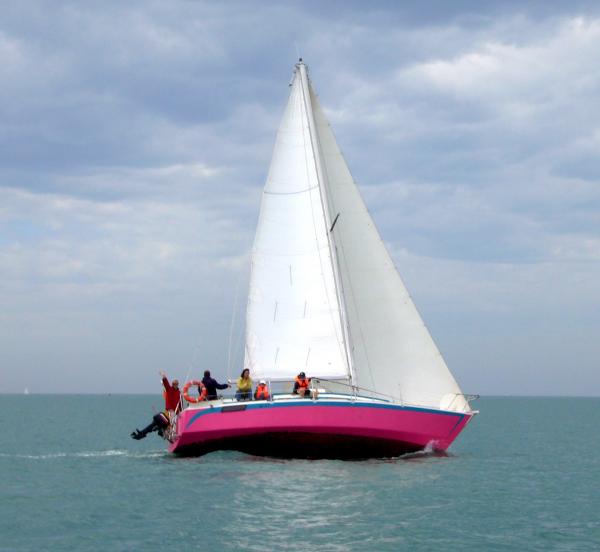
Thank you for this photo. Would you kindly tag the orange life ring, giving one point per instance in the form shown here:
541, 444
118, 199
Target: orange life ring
191, 399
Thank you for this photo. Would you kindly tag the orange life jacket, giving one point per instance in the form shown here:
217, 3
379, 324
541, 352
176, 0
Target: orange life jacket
302, 382
262, 392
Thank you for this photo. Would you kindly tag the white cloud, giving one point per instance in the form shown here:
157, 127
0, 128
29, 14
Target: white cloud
133, 144
520, 80
108, 241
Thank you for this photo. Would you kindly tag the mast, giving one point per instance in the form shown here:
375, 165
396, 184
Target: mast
321, 178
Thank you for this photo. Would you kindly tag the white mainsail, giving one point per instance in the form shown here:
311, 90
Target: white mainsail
293, 319
362, 321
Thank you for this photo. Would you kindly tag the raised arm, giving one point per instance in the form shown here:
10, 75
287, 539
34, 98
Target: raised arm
165, 381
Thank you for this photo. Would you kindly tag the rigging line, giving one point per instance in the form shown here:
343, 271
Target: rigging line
358, 319
321, 178
325, 200
317, 187
335, 321
373, 391
248, 355
341, 258
187, 375
344, 314
191, 364
237, 350
231, 326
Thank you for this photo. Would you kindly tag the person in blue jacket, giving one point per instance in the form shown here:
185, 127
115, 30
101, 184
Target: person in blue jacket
212, 385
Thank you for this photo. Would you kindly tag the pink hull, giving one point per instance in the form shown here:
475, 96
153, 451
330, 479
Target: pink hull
320, 429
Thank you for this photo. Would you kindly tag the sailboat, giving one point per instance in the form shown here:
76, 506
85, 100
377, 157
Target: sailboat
326, 299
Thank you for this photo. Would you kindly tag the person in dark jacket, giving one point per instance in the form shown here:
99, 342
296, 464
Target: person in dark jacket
212, 385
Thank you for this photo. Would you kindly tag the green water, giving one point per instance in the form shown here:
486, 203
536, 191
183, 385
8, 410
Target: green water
525, 475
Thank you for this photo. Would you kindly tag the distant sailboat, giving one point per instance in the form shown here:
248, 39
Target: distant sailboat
325, 298
26, 391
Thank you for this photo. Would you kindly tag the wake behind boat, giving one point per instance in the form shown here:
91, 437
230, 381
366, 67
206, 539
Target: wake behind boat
325, 298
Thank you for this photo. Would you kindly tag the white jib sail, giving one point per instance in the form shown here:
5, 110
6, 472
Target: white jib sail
392, 350
293, 319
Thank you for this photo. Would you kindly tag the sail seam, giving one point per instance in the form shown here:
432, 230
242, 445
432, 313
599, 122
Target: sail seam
291, 193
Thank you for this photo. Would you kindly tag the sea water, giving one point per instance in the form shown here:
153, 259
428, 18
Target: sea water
524, 475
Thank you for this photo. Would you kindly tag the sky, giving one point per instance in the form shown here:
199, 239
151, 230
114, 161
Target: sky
135, 138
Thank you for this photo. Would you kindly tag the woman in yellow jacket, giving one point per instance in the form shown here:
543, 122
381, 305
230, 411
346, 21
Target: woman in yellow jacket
244, 386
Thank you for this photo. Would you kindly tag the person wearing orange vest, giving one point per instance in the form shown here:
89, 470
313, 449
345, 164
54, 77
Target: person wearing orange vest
301, 384
262, 391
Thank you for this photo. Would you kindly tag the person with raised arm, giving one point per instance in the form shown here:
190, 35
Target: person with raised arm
160, 421
172, 393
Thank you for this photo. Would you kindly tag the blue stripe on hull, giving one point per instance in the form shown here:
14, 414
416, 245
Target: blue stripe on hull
307, 403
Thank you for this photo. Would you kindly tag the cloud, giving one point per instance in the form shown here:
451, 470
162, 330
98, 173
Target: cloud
486, 151
134, 142
72, 240
118, 275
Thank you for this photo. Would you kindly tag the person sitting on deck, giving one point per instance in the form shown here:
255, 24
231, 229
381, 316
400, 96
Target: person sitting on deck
161, 420
262, 391
212, 385
301, 386
244, 386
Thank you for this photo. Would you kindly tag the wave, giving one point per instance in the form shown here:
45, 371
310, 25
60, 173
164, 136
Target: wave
88, 454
